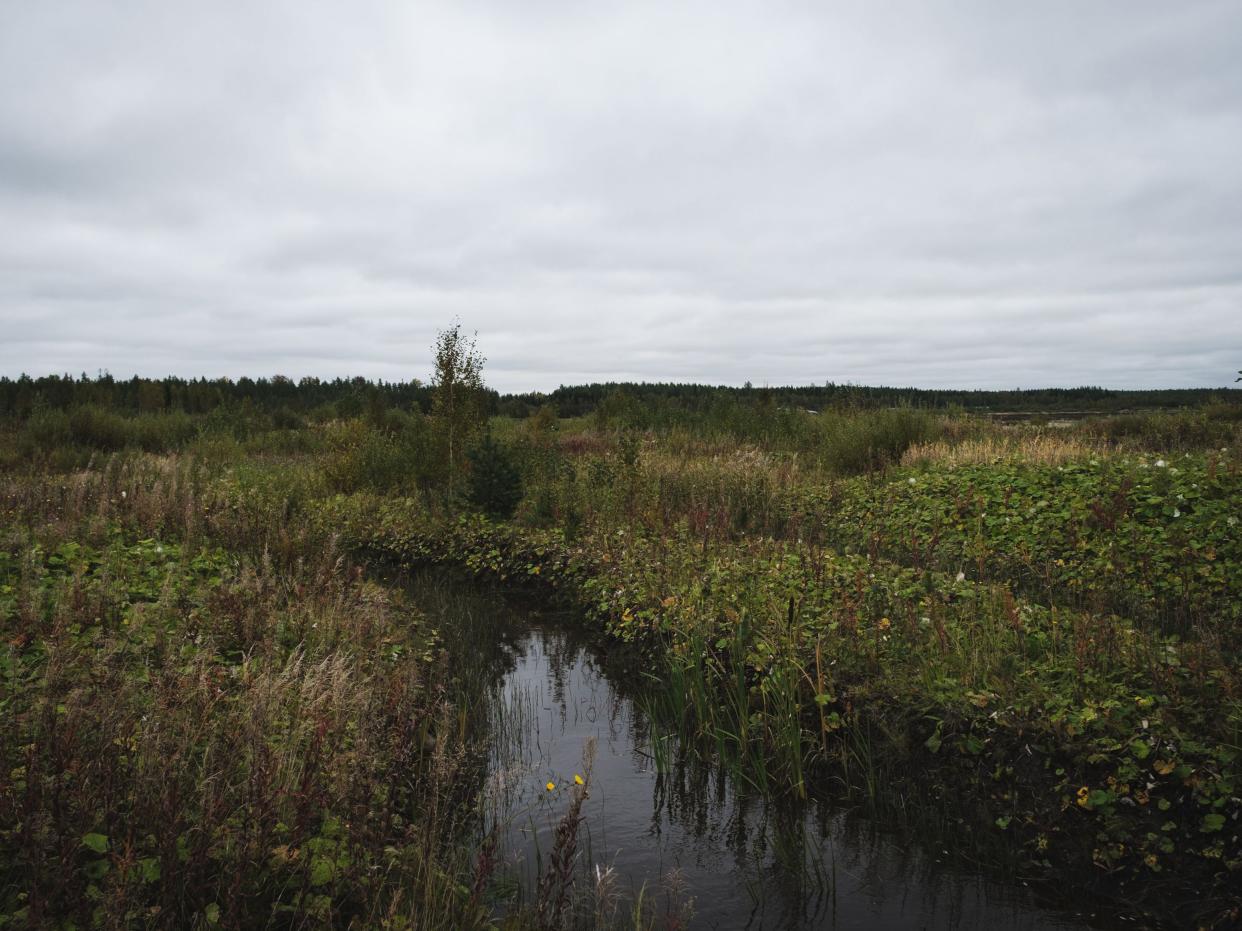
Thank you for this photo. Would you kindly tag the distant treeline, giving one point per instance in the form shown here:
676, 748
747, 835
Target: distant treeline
575, 400
352, 396
337, 397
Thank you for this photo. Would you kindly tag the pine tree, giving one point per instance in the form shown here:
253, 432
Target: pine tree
495, 483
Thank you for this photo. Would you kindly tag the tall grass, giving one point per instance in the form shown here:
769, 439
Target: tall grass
193, 741
1036, 447
1210, 427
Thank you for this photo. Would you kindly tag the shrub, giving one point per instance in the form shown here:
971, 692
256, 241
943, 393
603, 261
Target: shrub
285, 419
372, 461
48, 428
369, 459
495, 484
158, 433
238, 421
1168, 432
98, 428
863, 442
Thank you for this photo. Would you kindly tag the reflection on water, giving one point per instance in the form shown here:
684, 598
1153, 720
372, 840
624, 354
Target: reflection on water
689, 835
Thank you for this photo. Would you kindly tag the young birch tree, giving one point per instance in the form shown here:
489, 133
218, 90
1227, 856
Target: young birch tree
458, 404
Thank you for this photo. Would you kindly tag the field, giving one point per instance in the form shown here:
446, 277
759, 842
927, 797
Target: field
219, 706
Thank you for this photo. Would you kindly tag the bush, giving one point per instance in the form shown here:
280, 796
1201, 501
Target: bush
98, 429
862, 442
1181, 431
372, 462
369, 459
495, 484
237, 421
285, 419
48, 428
1224, 411
158, 433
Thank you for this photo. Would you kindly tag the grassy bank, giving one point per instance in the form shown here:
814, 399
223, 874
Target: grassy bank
193, 737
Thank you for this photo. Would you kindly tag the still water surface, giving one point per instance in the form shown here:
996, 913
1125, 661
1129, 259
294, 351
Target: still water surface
697, 846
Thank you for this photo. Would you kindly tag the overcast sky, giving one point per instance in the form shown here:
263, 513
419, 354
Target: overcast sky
973, 194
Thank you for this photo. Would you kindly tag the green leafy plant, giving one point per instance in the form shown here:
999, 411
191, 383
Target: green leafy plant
495, 483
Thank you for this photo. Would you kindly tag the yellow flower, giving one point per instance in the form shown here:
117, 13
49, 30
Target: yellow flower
1083, 795
578, 779
550, 786
885, 623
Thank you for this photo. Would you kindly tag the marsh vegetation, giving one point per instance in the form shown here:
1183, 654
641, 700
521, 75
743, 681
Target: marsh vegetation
225, 702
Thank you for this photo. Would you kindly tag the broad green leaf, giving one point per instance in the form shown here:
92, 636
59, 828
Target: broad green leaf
1212, 823
96, 842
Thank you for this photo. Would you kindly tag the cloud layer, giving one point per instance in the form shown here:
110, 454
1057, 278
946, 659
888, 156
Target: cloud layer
967, 194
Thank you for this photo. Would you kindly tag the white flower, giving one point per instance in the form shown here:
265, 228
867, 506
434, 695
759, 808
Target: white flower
122, 495
910, 480
961, 576
1160, 463
1177, 513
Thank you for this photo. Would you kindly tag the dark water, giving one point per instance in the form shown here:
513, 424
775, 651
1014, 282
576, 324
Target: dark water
694, 845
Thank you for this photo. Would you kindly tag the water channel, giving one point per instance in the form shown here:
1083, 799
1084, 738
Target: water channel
682, 837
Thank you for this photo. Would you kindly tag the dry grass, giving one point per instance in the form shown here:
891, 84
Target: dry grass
1034, 447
